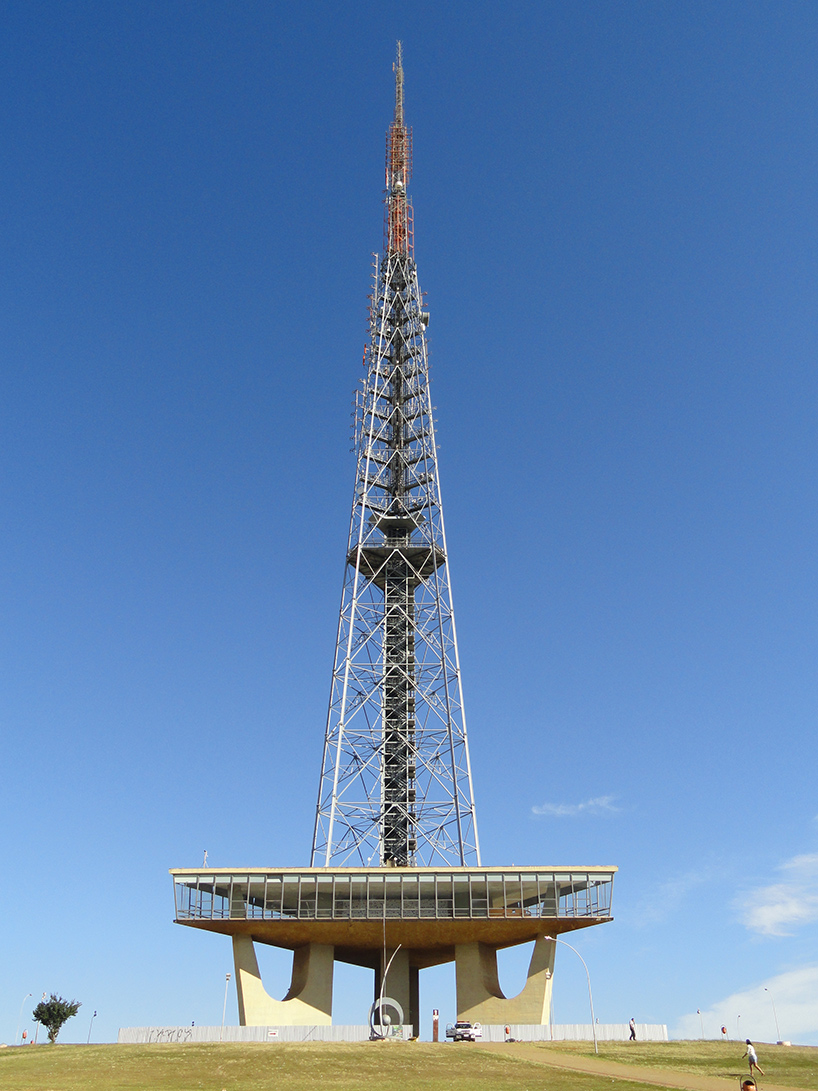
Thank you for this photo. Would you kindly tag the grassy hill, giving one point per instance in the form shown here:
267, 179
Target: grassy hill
794, 1066
388, 1066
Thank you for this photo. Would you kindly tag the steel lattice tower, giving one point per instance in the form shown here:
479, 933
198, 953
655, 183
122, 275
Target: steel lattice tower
396, 786
395, 882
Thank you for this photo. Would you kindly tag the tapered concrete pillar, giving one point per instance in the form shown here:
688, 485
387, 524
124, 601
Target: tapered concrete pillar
309, 999
480, 998
403, 985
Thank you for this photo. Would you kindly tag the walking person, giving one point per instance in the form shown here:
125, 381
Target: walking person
632, 1038
752, 1057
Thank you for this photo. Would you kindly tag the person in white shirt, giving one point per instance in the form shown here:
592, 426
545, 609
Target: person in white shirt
752, 1057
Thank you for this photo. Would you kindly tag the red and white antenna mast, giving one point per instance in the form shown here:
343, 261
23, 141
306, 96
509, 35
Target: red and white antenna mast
398, 226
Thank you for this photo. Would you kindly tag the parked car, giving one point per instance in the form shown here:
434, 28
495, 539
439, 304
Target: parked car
464, 1032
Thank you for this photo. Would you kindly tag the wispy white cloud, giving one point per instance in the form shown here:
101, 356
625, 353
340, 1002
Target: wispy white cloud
791, 998
668, 896
777, 909
602, 805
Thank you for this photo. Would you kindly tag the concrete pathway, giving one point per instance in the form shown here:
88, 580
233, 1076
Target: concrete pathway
598, 1066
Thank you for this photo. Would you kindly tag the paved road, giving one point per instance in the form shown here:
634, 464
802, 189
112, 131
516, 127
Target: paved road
658, 1077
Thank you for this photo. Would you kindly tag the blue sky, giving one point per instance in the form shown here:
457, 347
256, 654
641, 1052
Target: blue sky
616, 224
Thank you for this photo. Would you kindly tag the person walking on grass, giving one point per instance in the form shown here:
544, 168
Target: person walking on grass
752, 1057
632, 1026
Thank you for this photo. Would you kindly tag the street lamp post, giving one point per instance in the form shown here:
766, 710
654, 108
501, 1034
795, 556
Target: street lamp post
383, 984
37, 1026
548, 976
553, 939
224, 1006
701, 1019
738, 1024
90, 1025
775, 1015
20, 1017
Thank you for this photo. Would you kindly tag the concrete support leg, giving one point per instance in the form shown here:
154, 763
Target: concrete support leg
309, 1000
480, 998
403, 985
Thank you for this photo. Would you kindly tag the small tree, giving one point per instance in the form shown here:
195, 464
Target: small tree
55, 1011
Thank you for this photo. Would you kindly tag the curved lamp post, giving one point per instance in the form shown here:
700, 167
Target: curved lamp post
553, 939
224, 1006
383, 983
775, 1016
37, 1024
20, 1017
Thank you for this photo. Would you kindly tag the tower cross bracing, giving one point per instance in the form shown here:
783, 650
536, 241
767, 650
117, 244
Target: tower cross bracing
396, 785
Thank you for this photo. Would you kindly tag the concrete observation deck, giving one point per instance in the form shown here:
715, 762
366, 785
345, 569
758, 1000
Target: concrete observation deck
434, 915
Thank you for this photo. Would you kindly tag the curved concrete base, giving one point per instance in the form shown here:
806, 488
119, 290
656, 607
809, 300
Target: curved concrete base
309, 999
480, 998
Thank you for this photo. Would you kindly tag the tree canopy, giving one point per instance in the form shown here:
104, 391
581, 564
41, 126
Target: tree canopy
55, 1011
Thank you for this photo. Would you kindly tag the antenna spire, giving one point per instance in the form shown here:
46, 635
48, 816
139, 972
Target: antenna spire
398, 230
397, 67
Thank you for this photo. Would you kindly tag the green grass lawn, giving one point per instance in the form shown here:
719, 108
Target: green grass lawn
793, 1065
385, 1066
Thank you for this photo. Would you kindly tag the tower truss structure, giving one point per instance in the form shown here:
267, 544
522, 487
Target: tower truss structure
395, 882
396, 785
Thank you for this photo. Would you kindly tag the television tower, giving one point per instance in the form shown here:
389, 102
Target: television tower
396, 787
395, 883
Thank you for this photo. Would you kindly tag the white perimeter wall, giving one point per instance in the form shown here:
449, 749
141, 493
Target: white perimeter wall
182, 1035
570, 1032
575, 1032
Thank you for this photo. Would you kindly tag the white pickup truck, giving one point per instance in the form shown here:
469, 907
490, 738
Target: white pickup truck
464, 1032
